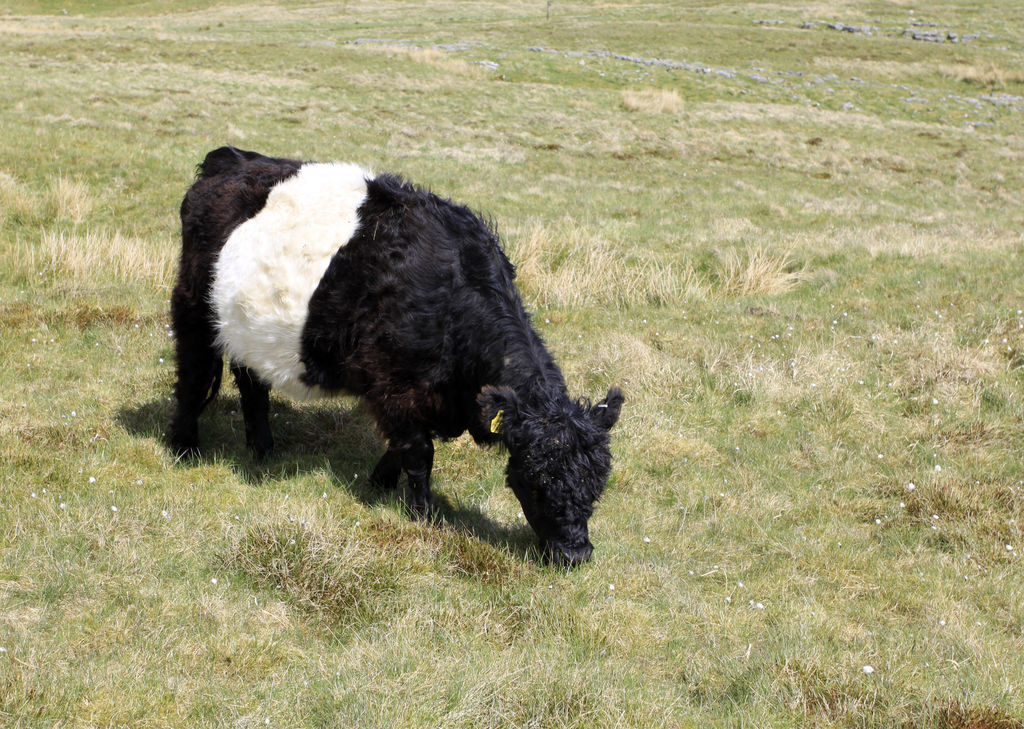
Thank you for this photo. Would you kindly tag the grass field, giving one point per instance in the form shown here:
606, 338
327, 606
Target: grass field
792, 232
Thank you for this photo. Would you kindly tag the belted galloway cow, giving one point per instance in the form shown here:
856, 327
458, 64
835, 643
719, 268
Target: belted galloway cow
323, 278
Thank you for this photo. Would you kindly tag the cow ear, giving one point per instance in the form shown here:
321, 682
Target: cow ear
606, 413
499, 408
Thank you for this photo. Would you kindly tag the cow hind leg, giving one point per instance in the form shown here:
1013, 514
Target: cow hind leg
255, 394
199, 374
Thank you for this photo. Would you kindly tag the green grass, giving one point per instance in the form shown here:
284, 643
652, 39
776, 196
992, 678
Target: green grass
798, 249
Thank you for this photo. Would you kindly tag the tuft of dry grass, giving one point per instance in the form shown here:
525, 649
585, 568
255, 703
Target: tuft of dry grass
650, 368
757, 271
431, 57
72, 200
64, 200
564, 265
652, 101
436, 59
17, 202
85, 257
989, 75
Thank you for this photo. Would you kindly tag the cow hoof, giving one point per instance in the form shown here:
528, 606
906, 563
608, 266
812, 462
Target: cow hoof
261, 449
186, 452
384, 478
423, 510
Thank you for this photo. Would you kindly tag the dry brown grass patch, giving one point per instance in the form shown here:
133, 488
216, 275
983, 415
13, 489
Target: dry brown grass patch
757, 271
433, 58
92, 256
17, 202
566, 265
646, 369
72, 200
988, 75
65, 200
652, 101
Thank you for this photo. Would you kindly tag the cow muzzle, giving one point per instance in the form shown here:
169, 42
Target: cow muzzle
562, 556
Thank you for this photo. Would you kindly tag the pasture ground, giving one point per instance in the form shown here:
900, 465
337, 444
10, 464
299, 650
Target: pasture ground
792, 232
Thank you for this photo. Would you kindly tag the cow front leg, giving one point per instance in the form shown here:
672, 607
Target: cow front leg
417, 462
255, 396
388, 469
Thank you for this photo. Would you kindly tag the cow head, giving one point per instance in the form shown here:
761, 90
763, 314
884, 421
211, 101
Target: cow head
559, 461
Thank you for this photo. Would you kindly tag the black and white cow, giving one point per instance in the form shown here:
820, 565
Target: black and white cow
316, 279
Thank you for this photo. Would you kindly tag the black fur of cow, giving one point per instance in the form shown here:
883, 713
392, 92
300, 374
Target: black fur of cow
414, 309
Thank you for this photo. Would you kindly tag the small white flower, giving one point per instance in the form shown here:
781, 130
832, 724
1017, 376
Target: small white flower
113, 508
214, 580
937, 468
869, 669
911, 487
647, 540
92, 479
611, 586
1009, 547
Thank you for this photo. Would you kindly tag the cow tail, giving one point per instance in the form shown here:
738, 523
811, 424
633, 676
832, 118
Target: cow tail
215, 380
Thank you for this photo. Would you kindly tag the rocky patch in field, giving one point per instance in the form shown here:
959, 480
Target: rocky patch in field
918, 30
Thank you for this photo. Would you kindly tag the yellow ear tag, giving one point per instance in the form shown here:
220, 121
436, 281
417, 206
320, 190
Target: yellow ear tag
496, 421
